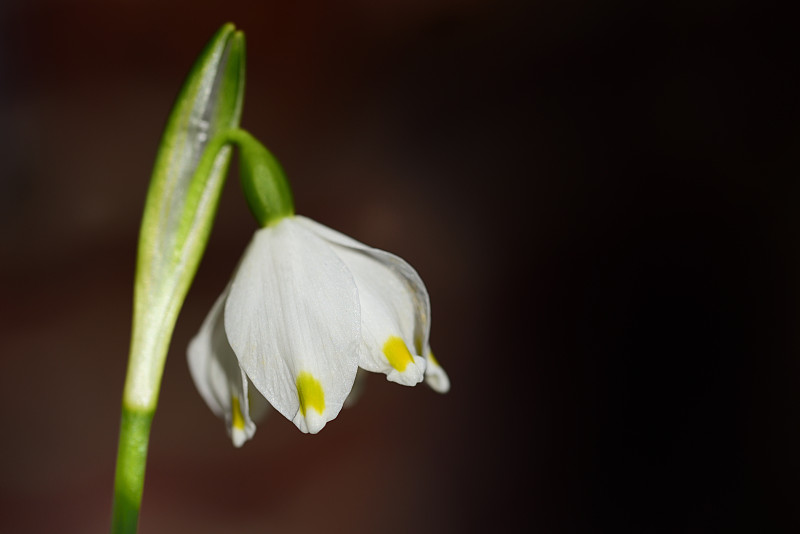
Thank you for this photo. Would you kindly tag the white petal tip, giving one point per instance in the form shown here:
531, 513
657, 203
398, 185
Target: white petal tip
438, 381
239, 436
241, 431
310, 423
435, 376
411, 375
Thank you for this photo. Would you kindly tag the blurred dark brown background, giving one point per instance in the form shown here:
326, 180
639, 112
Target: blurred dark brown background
601, 198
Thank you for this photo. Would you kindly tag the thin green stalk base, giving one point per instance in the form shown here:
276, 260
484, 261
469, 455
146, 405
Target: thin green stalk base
131, 459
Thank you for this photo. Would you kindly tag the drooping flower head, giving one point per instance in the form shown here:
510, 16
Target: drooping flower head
305, 309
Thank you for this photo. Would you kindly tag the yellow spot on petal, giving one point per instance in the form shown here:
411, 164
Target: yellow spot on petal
433, 360
311, 394
238, 418
397, 353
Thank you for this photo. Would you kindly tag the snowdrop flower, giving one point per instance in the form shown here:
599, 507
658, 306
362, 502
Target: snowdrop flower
305, 309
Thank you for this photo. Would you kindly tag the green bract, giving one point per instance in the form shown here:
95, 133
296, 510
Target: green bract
181, 203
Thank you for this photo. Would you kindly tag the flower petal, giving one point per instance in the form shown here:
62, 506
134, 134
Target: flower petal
358, 389
218, 377
293, 321
395, 307
259, 406
435, 375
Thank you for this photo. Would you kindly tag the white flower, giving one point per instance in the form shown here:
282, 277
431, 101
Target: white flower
306, 308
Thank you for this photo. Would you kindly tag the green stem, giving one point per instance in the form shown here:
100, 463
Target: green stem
129, 479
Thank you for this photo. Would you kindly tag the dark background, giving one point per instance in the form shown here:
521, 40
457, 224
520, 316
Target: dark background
601, 198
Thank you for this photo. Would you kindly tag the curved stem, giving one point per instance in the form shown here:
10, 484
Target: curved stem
263, 181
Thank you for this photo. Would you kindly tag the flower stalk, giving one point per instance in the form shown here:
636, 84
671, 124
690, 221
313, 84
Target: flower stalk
264, 183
